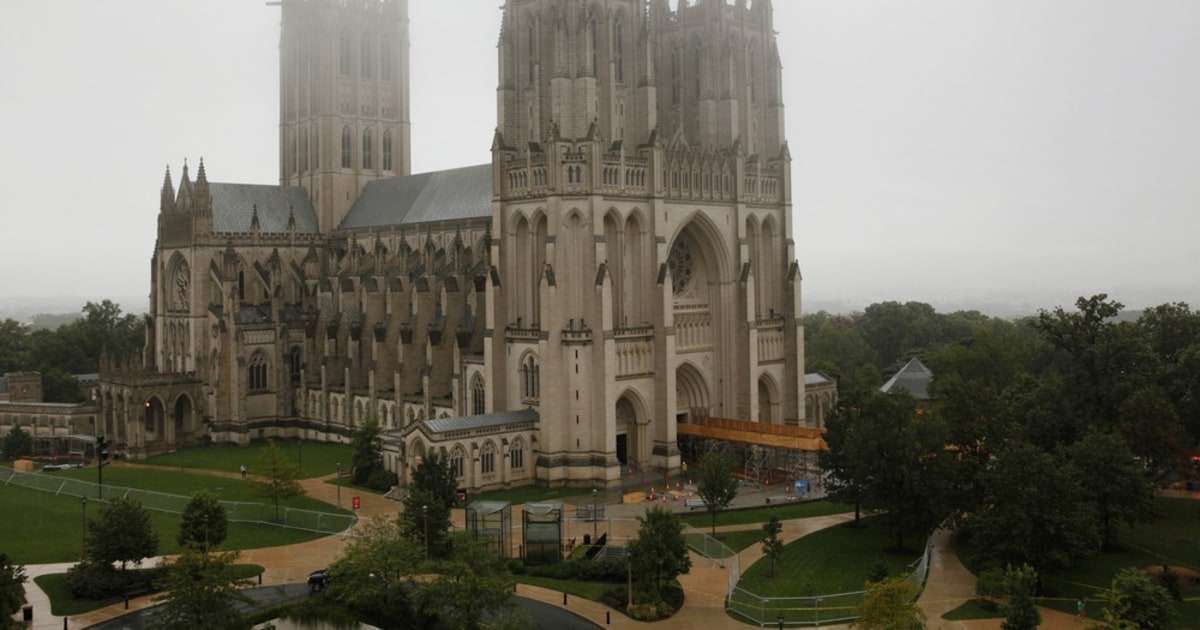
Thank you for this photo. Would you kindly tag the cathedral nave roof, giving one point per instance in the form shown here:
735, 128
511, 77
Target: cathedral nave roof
455, 194
234, 206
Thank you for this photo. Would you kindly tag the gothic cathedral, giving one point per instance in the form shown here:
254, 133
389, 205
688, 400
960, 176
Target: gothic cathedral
625, 262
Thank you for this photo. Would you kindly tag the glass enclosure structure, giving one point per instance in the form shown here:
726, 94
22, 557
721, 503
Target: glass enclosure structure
491, 522
542, 526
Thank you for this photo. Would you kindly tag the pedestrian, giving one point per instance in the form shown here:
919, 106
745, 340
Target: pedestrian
1080, 610
243, 471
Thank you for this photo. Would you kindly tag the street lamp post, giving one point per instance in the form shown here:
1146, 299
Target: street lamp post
425, 520
338, 483
594, 515
83, 529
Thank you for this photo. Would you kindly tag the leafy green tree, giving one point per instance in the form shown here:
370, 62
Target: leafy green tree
60, 386
845, 463
12, 590
658, 555
276, 475
1134, 601
1019, 585
897, 331
1034, 511
833, 345
771, 545
1151, 428
122, 533
201, 593
1115, 484
890, 605
17, 443
369, 469
204, 524
426, 516
897, 462
1173, 333
1103, 361
472, 583
374, 579
717, 486
14, 346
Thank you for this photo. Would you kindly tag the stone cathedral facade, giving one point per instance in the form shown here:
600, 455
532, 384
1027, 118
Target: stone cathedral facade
624, 263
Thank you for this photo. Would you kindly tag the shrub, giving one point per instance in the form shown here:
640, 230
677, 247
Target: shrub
94, 580
381, 479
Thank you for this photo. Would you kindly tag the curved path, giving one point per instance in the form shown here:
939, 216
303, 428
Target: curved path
949, 583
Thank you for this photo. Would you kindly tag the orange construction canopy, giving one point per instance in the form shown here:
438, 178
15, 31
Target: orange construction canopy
746, 432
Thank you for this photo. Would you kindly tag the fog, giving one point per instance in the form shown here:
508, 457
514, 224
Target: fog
996, 155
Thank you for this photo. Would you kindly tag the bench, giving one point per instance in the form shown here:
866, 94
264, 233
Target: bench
695, 504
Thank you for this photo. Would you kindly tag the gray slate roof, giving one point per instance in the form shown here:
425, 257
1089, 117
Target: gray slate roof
455, 194
234, 204
914, 377
816, 378
470, 423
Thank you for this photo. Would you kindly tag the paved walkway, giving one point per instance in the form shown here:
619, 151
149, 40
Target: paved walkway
949, 583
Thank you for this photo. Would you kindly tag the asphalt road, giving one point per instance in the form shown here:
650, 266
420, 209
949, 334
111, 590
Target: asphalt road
546, 617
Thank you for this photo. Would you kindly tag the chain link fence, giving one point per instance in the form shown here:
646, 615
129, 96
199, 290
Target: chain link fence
237, 511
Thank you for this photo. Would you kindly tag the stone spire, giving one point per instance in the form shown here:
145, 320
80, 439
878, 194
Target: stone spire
167, 201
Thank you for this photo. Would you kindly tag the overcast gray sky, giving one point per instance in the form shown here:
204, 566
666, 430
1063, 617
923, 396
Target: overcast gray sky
949, 151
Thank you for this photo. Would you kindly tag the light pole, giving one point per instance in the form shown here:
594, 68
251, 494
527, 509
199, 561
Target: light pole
594, 515
338, 483
83, 529
425, 520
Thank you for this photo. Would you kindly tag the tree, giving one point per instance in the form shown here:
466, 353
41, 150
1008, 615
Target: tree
14, 346
844, 464
1020, 583
122, 533
204, 524
12, 590
1116, 485
472, 583
276, 476
658, 555
374, 579
368, 469
201, 593
1151, 428
896, 461
18, 442
772, 546
431, 495
1033, 511
1134, 601
890, 605
717, 486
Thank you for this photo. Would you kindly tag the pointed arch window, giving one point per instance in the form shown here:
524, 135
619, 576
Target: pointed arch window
699, 65
387, 150
367, 148
346, 147
530, 379
257, 372
458, 461
487, 459
344, 54
675, 67
532, 36
366, 59
478, 396
618, 50
385, 60
295, 361
516, 454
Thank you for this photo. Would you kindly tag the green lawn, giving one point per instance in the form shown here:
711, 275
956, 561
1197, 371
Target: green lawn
316, 459
187, 483
834, 560
63, 604
740, 540
1172, 539
971, 610
586, 590
345, 483
41, 527
785, 512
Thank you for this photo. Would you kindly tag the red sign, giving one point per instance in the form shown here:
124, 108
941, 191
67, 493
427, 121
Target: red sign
355, 503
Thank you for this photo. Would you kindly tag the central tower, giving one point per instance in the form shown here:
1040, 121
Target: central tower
343, 99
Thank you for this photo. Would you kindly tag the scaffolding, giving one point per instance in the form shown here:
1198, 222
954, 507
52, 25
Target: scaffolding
542, 527
765, 454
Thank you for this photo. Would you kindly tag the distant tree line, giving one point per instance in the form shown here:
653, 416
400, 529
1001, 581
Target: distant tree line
71, 348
